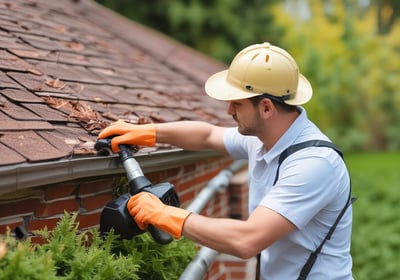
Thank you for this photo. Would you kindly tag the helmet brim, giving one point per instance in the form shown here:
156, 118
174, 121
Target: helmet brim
219, 88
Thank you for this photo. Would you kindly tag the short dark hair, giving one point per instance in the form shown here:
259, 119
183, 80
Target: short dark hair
278, 102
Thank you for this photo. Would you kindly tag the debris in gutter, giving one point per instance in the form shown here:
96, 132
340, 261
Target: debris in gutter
83, 151
85, 148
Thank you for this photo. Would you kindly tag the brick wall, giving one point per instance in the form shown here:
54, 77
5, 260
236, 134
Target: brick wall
228, 267
36, 208
43, 206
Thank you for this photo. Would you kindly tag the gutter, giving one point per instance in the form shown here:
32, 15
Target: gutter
29, 175
200, 265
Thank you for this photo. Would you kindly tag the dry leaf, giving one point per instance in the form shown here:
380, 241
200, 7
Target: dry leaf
55, 102
56, 83
78, 47
83, 151
82, 112
87, 145
61, 29
34, 71
96, 125
144, 120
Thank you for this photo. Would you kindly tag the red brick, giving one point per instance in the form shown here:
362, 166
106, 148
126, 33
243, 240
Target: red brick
165, 175
95, 186
231, 264
189, 168
46, 209
237, 275
38, 223
18, 208
59, 191
38, 240
96, 201
88, 220
217, 272
188, 196
11, 224
214, 272
203, 180
182, 187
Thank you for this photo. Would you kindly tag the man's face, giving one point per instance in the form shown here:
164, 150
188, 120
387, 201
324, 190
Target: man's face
246, 116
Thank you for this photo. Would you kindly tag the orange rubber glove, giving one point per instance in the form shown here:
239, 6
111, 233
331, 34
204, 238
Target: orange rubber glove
147, 209
130, 134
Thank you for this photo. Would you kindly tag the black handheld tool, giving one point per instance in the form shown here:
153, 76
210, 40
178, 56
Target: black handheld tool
115, 215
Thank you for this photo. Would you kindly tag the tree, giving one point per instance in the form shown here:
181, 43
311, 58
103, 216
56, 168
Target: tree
353, 72
388, 11
219, 28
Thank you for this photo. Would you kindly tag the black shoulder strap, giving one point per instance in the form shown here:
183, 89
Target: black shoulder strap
290, 150
296, 147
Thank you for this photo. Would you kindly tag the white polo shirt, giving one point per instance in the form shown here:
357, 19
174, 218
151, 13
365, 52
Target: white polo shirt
312, 189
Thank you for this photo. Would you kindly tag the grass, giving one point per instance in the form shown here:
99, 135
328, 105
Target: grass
376, 228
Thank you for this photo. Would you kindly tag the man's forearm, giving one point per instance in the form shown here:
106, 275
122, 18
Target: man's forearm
243, 239
223, 235
191, 135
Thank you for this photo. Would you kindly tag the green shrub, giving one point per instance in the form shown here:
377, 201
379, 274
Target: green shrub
376, 228
72, 254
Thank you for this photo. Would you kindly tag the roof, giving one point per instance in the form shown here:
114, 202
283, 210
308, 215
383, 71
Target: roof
69, 68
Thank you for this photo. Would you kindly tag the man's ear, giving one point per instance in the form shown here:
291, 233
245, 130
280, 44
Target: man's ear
266, 105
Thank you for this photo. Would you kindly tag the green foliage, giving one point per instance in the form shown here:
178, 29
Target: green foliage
354, 74
20, 263
162, 261
376, 228
219, 28
71, 254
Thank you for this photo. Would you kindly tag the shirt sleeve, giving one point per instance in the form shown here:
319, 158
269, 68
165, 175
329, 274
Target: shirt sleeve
235, 144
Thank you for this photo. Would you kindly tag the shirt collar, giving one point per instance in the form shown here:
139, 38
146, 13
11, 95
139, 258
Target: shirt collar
286, 140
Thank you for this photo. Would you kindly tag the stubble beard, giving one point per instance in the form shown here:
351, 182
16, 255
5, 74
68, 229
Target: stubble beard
248, 130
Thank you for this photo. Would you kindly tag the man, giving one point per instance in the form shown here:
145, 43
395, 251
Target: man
289, 218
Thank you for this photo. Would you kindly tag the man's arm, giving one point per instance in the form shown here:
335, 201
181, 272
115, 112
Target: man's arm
191, 135
188, 135
243, 239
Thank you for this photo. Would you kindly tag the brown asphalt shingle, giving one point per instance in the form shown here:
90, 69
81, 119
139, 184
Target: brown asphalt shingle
69, 68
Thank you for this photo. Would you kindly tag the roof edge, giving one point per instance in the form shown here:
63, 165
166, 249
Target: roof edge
24, 176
